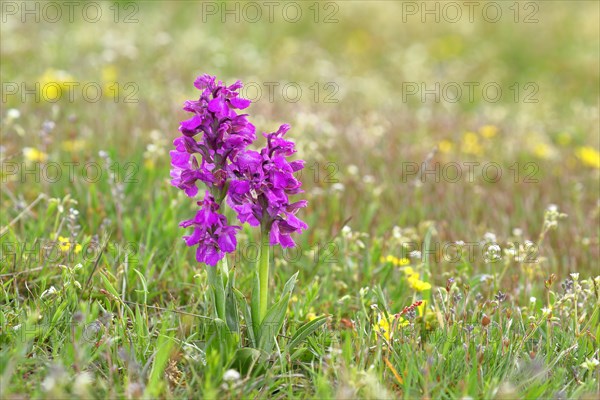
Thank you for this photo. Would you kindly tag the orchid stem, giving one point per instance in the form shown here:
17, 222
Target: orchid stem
263, 274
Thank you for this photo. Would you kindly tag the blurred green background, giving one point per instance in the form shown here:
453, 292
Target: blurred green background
357, 80
354, 122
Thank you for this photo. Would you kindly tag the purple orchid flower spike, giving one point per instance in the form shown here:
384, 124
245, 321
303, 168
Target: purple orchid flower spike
210, 140
213, 236
213, 149
262, 184
257, 184
224, 134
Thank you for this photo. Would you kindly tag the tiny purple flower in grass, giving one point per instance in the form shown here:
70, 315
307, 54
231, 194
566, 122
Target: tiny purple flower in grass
211, 233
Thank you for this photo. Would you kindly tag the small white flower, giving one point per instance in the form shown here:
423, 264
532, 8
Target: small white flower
546, 311
339, 187
460, 243
489, 237
415, 254
532, 299
49, 292
493, 253
517, 232
13, 113
231, 375
494, 248
575, 276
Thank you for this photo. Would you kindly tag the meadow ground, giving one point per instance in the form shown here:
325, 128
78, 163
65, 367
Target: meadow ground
451, 164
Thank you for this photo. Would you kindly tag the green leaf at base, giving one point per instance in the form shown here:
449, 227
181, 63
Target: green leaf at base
304, 331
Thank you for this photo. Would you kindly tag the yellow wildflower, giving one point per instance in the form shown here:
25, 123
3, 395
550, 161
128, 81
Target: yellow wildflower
109, 77
445, 146
470, 144
488, 131
149, 164
34, 155
417, 284
414, 280
382, 326
395, 260
109, 73
422, 309
542, 150
53, 82
311, 316
589, 156
73, 146
65, 245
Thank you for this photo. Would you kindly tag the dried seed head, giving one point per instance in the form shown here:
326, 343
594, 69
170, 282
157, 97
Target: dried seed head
485, 321
449, 283
550, 281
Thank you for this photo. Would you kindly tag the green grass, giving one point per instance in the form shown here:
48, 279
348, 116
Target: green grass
130, 315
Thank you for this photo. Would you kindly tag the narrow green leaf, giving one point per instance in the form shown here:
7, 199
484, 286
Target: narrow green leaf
255, 307
163, 350
143, 280
271, 325
305, 330
247, 359
109, 287
231, 310
215, 280
243, 305
56, 317
289, 286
